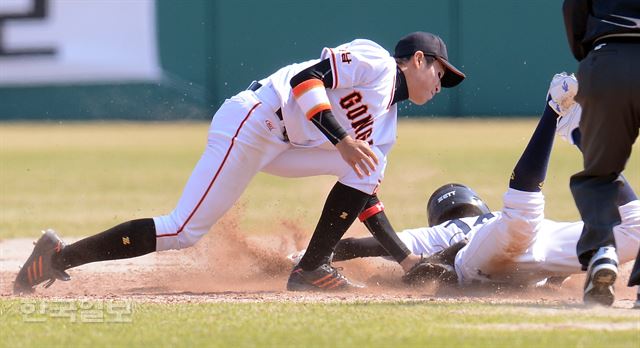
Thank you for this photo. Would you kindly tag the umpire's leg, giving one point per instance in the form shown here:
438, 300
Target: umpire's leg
609, 126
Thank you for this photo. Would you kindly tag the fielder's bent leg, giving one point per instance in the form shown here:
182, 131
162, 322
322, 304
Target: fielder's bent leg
314, 272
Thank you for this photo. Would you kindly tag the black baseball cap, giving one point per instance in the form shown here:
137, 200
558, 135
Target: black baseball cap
430, 45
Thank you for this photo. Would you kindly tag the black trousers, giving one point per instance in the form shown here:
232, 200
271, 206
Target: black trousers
609, 93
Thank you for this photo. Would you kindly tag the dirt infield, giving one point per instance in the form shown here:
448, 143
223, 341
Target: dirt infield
227, 266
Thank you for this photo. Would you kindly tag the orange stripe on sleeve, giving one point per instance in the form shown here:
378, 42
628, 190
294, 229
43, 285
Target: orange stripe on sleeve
316, 109
306, 86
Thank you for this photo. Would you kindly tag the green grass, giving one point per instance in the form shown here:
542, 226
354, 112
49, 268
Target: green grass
81, 178
401, 324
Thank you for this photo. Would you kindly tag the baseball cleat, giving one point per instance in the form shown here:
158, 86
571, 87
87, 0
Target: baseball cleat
567, 124
562, 91
39, 267
323, 278
601, 275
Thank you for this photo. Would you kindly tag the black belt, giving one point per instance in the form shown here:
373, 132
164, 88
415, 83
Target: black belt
254, 86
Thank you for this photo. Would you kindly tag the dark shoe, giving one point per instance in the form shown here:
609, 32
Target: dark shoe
39, 267
323, 278
637, 304
438, 266
601, 275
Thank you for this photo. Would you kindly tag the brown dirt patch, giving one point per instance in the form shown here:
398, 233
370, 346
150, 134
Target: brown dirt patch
229, 266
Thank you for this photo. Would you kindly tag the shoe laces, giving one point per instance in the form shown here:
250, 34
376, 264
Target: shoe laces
335, 271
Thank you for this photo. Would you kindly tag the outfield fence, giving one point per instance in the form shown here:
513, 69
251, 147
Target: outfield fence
179, 59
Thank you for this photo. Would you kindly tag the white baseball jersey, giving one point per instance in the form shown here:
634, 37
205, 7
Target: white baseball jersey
246, 137
364, 76
518, 245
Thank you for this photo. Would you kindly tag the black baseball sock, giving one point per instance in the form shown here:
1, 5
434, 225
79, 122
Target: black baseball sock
129, 239
341, 208
531, 170
351, 248
374, 217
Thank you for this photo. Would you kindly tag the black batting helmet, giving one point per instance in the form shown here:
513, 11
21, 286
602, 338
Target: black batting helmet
454, 201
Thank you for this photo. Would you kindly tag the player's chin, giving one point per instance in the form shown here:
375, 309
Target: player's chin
421, 100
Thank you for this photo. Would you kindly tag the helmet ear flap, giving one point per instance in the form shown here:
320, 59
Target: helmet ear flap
454, 201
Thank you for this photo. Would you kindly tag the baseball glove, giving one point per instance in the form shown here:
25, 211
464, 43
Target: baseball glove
437, 267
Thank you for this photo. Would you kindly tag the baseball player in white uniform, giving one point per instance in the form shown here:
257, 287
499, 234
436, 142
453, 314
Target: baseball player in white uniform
335, 115
469, 243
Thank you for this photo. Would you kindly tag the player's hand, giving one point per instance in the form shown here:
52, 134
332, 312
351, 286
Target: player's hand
358, 155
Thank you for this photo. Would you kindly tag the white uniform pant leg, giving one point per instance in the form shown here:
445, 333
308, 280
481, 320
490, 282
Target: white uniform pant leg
627, 234
559, 244
492, 249
239, 144
299, 162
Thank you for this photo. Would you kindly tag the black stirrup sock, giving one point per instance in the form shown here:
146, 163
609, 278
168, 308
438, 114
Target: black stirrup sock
340, 210
129, 239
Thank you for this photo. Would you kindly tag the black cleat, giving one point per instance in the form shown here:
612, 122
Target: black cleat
601, 275
323, 278
39, 267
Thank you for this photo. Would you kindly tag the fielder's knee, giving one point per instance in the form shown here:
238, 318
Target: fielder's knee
173, 234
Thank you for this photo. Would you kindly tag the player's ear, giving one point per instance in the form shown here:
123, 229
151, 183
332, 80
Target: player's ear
418, 58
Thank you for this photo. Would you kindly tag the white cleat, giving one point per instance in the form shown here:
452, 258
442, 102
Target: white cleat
601, 275
562, 91
568, 123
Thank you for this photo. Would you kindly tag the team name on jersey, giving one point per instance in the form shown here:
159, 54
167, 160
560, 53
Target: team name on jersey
357, 113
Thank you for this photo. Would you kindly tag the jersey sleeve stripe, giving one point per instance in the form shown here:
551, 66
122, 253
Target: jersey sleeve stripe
318, 108
334, 70
311, 96
306, 86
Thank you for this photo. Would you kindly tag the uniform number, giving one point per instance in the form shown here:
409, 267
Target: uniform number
482, 219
